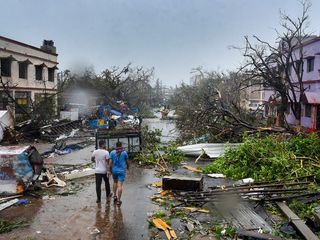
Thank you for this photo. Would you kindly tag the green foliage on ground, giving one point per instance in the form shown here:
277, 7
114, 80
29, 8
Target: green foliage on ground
153, 151
270, 158
303, 210
221, 231
8, 226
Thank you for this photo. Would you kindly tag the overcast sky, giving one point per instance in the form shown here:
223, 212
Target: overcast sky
174, 36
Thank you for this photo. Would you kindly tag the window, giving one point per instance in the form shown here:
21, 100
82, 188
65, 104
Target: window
39, 69
310, 64
5, 67
23, 70
308, 110
23, 99
51, 74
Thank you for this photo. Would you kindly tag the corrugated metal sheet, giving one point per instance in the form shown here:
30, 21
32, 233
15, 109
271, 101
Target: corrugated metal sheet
243, 217
213, 150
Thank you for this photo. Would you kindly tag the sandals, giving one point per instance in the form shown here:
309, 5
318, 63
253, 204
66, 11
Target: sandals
116, 201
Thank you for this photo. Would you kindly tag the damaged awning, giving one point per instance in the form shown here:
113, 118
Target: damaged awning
311, 97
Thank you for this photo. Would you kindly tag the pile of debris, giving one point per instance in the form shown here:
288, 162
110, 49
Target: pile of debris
20, 167
295, 188
235, 210
22, 172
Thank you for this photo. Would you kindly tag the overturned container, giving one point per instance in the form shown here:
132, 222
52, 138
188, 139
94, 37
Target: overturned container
19, 167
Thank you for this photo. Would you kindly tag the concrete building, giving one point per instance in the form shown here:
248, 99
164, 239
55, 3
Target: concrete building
27, 72
254, 98
310, 114
167, 92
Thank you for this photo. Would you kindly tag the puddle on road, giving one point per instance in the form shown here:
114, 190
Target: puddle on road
79, 217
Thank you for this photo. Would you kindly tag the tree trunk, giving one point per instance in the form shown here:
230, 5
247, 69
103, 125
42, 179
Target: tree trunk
280, 121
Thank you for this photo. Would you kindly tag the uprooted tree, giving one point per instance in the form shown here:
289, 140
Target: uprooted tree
213, 108
279, 66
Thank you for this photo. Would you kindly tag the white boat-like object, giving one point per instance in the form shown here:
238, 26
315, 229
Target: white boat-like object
212, 150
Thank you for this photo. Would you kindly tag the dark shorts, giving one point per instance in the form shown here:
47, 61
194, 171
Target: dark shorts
119, 176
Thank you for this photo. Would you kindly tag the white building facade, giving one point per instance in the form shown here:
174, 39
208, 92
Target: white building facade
310, 107
27, 72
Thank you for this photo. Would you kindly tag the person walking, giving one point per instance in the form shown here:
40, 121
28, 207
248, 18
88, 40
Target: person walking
119, 163
102, 169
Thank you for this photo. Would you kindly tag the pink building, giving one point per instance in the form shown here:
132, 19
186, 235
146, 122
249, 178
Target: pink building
310, 113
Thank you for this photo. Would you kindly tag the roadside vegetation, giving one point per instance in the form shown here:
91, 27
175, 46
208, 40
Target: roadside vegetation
154, 153
270, 157
8, 226
274, 157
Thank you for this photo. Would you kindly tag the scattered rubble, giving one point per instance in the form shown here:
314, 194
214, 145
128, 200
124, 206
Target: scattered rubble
236, 210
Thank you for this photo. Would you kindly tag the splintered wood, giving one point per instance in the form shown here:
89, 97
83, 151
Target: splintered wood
160, 224
193, 169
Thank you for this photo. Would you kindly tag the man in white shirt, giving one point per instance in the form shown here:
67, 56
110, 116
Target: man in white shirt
102, 169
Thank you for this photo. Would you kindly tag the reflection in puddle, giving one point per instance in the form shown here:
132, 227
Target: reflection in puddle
109, 223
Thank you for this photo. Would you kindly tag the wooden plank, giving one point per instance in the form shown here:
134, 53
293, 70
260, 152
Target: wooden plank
297, 222
8, 204
4, 199
256, 235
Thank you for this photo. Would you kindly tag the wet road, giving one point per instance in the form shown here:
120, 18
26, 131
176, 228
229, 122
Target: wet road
78, 216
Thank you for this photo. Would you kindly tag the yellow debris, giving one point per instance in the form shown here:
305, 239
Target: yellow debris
193, 209
165, 192
157, 184
160, 224
193, 169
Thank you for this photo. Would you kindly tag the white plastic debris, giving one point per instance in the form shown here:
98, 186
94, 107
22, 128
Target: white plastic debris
93, 230
247, 180
216, 175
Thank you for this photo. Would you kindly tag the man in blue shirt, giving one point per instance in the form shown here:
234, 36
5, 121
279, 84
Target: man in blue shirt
119, 163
